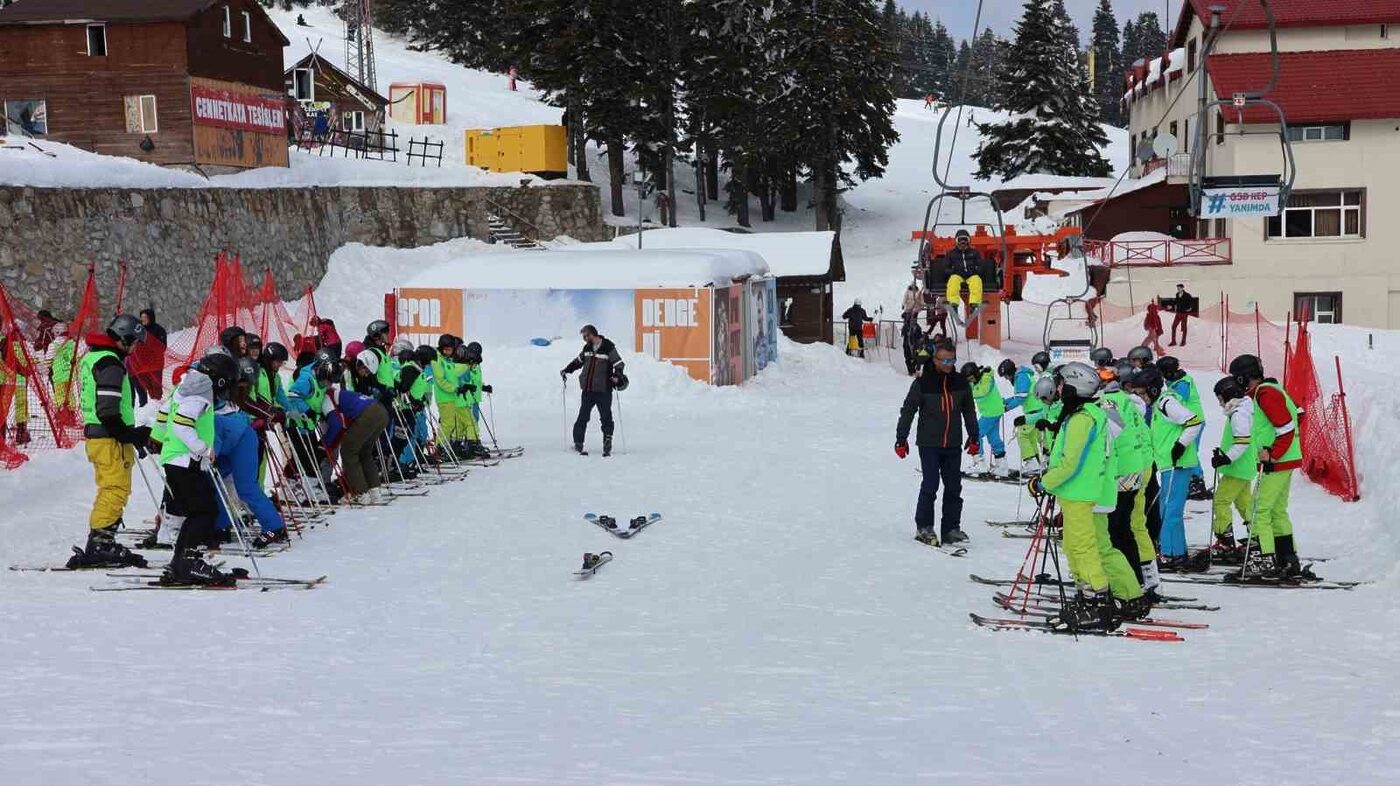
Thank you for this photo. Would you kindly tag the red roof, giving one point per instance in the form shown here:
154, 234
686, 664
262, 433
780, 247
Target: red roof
1290, 13
1348, 84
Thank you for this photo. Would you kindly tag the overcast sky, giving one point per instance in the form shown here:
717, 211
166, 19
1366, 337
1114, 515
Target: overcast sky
1001, 15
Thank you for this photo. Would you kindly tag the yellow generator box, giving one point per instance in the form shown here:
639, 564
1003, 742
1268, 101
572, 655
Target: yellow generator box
537, 150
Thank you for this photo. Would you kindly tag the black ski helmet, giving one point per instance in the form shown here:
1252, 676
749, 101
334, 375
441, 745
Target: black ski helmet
126, 329
228, 339
1103, 356
1141, 354
446, 340
1149, 380
248, 371
376, 329
425, 355
405, 356
221, 369
273, 353
1123, 370
254, 344
324, 366
1229, 389
1041, 360
971, 370
471, 353
1007, 369
1246, 369
1170, 368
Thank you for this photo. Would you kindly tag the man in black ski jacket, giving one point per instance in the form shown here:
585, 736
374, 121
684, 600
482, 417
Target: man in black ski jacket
855, 317
602, 373
943, 401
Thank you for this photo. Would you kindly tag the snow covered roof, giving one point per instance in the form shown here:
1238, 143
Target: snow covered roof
1128, 186
785, 253
586, 266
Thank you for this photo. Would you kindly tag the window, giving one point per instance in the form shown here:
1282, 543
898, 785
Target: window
27, 117
1321, 307
303, 85
247, 27
353, 121
1191, 56
228, 23
1319, 214
1222, 229
141, 115
1336, 132
97, 40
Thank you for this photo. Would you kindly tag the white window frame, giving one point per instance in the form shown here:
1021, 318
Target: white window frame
357, 116
247, 28
228, 22
1319, 132
89, 30
141, 114
1359, 208
310, 84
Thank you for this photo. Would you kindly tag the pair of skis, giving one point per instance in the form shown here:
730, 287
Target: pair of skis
144, 582
1044, 626
1048, 608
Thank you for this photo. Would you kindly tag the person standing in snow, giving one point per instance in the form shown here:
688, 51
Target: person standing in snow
1185, 386
602, 373
913, 339
1173, 428
1236, 464
856, 318
1274, 435
913, 299
1132, 463
147, 363
1026, 425
327, 335
355, 424
470, 387
990, 407
1152, 323
943, 401
1182, 304
112, 439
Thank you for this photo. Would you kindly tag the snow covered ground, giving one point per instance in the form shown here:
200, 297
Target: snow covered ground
779, 626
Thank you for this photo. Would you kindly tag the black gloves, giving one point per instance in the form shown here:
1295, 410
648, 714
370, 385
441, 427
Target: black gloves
1178, 450
563, 374
1019, 421
1218, 459
1045, 425
485, 388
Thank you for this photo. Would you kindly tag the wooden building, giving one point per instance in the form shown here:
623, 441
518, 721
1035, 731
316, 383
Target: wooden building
326, 93
172, 82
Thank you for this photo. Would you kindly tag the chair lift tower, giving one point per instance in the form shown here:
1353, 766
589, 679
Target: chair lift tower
359, 41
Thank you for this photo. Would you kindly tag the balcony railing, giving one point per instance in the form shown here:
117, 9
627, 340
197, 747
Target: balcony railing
1159, 253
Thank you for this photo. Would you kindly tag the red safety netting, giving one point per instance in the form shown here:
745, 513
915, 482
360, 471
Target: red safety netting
36, 361
1329, 457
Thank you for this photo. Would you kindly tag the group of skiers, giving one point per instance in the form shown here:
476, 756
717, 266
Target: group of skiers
354, 421
1115, 447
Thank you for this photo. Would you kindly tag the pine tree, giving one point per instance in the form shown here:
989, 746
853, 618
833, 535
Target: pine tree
1132, 44
1152, 39
987, 54
1108, 64
1053, 127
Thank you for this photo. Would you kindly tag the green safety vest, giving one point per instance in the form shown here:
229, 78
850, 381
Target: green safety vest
472, 376
62, 368
987, 396
1087, 483
88, 391
1262, 435
1246, 466
1032, 406
420, 388
1192, 399
263, 390
1132, 449
388, 373
1165, 434
173, 447
445, 383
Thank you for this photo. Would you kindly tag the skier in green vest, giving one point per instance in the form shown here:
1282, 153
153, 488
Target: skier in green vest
113, 439
1185, 387
1080, 476
990, 407
472, 388
1132, 463
1173, 428
1236, 464
453, 410
1274, 435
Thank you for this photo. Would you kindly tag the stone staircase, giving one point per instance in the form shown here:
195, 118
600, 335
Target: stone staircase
502, 231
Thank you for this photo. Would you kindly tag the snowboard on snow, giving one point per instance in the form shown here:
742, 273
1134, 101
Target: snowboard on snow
610, 525
591, 564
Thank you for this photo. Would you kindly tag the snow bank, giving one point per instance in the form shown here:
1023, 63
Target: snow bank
585, 267
784, 253
358, 276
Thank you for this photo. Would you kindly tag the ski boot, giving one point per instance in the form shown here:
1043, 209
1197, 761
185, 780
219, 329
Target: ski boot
1138, 608
954, 536
267, 539
478, 451
1260, 566
578, 448
1227, 550
607, 445
1196, 489
103, 551
1286, 560
189, 569
999, 469
927, 537
978, 466
1092, 611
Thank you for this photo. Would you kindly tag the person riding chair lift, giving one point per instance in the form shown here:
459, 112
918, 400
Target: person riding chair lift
963, 265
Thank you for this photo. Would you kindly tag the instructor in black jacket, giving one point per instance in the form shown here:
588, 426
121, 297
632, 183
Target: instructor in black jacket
943, 401
602, 373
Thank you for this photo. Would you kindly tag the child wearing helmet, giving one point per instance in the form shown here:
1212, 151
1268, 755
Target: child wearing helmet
1236, 465
990, 407
471, 388
1132, 465
1174, 429
1080, 476
1033, 410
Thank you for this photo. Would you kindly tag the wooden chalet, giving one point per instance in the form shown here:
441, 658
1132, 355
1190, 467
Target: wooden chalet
172, 82
332, 100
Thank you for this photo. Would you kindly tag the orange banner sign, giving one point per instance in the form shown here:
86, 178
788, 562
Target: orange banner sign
674, 325
425, 314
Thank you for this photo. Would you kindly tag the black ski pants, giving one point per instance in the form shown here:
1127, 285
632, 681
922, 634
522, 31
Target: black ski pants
357, 458
1154, 511
591, 399
192, 496
1120, 530
945, 465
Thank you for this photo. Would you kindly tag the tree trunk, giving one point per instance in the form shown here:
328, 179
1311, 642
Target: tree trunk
823, 217
712, 172
670, 186
615, 175
766, 206
738, 184
788, 191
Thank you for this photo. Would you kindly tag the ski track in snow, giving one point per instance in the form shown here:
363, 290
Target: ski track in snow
779, 626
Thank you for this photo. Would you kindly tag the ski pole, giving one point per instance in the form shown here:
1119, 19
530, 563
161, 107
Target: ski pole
564, 414
490, 422
621, 432
149, 489
223, 495
1253, 520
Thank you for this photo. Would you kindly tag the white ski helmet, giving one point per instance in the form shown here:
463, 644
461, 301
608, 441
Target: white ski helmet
1044, 390
369, 359
1082, 378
